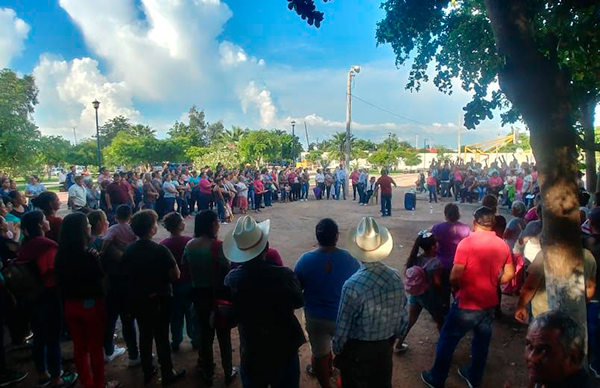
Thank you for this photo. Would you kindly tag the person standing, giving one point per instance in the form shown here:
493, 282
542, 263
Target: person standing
182, 300
70, 178
322, 274
171, 194
104, 176
45, 309
340, 181
49, 203
329, 181
354, 179
80, 276
482, 261
372, 312
363, 178
150, 194
385, 182
34, 187
264, 297
320, 183
448, 235
150, 269
116, 194
78, 195
208, 267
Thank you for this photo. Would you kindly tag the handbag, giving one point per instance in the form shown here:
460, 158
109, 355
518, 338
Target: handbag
222, 315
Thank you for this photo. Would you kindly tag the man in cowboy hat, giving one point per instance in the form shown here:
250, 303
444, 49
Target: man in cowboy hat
264, 299
482, 261
372, 311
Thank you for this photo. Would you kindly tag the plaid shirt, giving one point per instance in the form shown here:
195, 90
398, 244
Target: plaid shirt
373, 306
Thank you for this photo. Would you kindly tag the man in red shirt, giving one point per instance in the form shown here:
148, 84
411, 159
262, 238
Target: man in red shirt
482, 261
117, 193
354, 178
385, 182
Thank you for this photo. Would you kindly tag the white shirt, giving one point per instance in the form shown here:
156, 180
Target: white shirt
78, 196
242, 189
320, 178
62, 177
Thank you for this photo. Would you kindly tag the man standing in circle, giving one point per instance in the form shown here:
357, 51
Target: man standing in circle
372, 311
385, 182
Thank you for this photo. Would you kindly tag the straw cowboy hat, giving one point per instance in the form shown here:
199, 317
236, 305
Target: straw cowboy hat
247, 240
369, 242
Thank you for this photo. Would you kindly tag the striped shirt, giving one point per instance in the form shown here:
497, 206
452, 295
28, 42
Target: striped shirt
372, 307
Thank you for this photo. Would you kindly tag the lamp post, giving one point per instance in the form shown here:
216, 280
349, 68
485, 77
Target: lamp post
353, 71
96, 104
294, 142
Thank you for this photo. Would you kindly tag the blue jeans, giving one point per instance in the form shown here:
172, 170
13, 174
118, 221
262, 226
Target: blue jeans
386, 204
268, 196
46, 317
150, 205
593, 322
458, 323
220, 209
169, 204
432, 193
182, 310
340, 185
288, 377
304, 191
480, 192
445, 188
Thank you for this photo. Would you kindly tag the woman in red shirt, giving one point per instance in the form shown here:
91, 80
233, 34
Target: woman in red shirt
45, 309
258, 192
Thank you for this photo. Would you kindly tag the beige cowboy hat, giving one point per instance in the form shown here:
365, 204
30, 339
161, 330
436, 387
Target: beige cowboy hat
247, 240
369, 242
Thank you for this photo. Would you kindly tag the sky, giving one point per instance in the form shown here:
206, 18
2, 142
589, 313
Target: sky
253, 64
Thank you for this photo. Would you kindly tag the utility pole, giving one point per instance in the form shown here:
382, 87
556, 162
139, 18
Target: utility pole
75, 134
460, 124
294, 142
353, 71
306, 131
389, 149
96, 105
416, 142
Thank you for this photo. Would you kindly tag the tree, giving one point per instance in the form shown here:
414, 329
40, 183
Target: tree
193, 133
142, 130
84, 153
522, 143
336, 147
214, 132
234, 135
410, 157
527, 46
545, 57
130, 151
227, 155
112, 128
383, 158
52, 151
18, 133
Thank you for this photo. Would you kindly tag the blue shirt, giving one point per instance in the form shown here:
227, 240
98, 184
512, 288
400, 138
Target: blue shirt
373, 306
322, 276
341, 175
362, 178
36, 189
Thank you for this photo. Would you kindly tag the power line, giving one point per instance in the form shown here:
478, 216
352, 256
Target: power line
386, 111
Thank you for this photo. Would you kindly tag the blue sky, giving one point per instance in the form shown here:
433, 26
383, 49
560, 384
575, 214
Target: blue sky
249, 63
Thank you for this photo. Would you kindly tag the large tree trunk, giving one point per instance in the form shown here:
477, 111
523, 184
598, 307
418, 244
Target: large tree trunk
587, 121
539, 90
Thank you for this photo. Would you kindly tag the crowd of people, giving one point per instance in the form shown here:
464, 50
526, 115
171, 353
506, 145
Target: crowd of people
82, 274
471, 181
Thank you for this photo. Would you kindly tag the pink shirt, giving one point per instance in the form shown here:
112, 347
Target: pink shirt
354, 176
122, 234
495, 181
258, 186
205, 186
484, 255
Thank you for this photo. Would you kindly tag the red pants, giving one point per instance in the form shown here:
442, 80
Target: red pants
87, 325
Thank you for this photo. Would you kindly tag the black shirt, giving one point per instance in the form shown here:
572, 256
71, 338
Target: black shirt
580, 379
147, 267
264, 299
80, 277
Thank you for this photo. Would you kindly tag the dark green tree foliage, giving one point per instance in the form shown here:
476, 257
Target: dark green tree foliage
111, 129
18, 133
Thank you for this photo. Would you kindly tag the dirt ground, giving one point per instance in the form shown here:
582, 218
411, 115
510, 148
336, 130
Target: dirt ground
292, 233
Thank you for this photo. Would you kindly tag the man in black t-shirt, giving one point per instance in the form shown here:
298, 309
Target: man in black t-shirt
150, 269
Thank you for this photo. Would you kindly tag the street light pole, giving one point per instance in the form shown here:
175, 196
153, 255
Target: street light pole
353, 71
96, 104
294, 142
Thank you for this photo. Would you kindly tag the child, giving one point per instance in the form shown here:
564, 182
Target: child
423, 283
242, 190
120, 235
432, 187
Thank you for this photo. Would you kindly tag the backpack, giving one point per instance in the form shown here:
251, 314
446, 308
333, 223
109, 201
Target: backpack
416, 279
24, 281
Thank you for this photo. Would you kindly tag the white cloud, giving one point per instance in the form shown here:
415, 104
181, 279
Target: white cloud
261, 98
436, 124
13, 32
67, 90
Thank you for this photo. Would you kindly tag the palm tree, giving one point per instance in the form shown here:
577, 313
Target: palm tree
336, 147
234, 135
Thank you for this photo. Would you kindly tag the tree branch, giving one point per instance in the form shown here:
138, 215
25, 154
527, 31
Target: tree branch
583, 145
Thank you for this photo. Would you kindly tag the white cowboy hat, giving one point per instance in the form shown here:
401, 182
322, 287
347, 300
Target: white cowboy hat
369, 242
247, 240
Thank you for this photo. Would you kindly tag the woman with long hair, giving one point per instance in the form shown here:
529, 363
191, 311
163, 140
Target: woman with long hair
80, 278
208, 268
45, 310
49, 203
18, 201
423, 283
